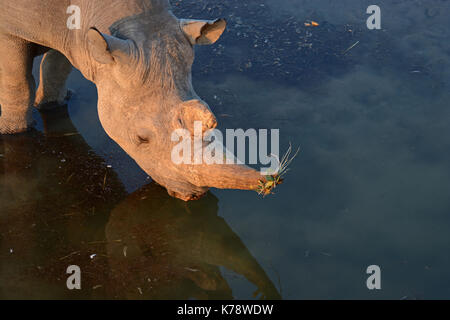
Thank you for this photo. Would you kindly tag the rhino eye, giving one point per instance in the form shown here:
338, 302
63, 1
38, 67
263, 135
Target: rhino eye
143, 136
142, 139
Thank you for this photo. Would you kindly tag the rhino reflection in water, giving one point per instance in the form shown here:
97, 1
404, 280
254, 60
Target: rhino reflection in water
54, 200
169, 249
140, 57
154, 246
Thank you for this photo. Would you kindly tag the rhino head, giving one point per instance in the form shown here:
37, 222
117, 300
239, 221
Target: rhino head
143, 75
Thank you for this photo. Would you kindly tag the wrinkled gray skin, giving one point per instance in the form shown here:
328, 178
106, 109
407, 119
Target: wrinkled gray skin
140, 56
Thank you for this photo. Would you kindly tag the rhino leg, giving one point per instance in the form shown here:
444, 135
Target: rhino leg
52, 92
17, 84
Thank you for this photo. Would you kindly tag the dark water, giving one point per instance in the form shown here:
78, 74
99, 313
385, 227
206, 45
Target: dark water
370, 186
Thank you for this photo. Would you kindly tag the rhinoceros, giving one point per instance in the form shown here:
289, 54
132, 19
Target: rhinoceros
140, 56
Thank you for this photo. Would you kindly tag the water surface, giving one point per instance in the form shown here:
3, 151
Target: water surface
370, 186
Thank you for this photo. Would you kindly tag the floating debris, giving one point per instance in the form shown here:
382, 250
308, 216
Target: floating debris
267, 186
69, 255
70, 177
104, 181
103, 242
312, 24
351, 47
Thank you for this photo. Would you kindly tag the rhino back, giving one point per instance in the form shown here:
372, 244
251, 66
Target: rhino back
35, 21
45, 21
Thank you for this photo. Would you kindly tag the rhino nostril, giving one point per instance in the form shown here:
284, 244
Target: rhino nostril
143, 135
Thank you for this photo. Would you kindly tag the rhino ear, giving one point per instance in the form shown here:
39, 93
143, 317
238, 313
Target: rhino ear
106, 49
203, 32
